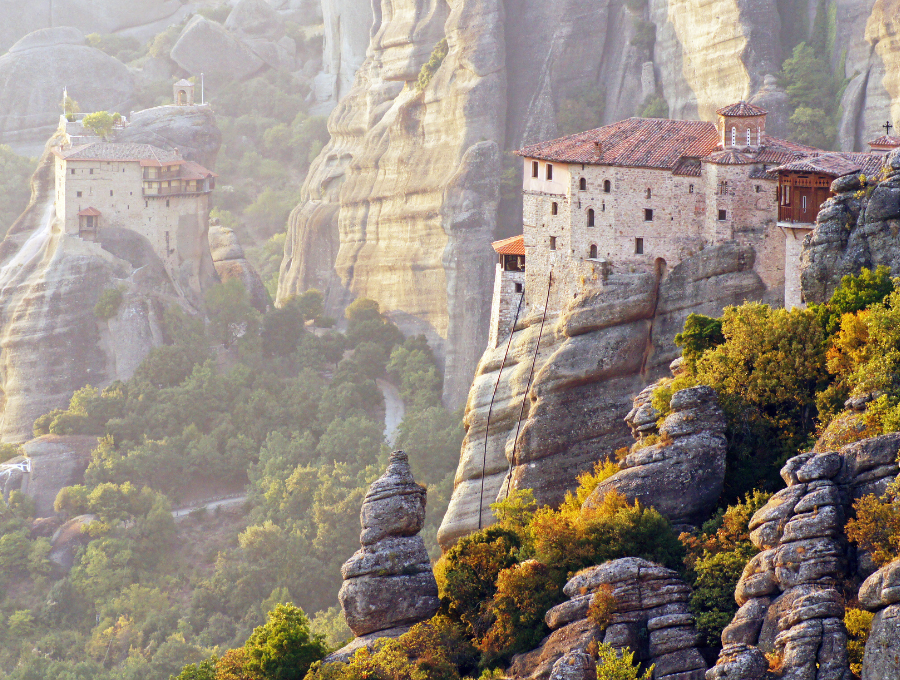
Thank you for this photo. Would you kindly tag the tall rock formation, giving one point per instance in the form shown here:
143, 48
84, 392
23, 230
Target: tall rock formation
388, 583
790, 593
880, 593
593, 358
51, 341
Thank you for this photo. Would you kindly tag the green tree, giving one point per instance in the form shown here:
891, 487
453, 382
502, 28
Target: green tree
700, 334
101, 123
284, 648
230, 312
613, 664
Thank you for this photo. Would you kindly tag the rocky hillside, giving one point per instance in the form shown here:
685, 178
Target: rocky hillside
402, 203
52, 341
591, 362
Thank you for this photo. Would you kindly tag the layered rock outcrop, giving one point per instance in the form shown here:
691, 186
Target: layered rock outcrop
682, 476
880, 593
593, 358
854, 229
791, 603
36, 70
650, 617
388, 583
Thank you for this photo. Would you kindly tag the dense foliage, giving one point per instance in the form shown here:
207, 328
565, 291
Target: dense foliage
286, 412
498, 583
15, 186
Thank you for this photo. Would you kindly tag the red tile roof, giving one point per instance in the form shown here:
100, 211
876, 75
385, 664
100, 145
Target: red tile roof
741, 109
634, 142
687, 167
837, 163
729, 158
510, 246
886, 141
191, 170
89, 212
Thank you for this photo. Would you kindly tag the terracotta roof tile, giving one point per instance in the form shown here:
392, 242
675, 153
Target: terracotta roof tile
886, 141
89, 212
837, 163
741, 108
759, 173
688, 167
634, 142
510, 246
191, 170
729, 158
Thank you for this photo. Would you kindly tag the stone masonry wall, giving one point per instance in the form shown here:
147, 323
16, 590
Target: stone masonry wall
505, 303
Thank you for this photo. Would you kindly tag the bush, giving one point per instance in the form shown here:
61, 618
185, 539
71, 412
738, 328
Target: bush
876, 527
108, 304
15, 186
284, 648
700, 334
858, 623
602, 607
101, 122
429, 68
613, 664
581, 110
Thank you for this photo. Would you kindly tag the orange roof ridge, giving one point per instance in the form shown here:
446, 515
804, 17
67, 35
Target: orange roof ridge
515, 245
740, 109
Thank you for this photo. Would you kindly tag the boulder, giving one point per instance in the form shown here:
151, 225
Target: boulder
36, 70
651, 617
230, 263
255, 18
208, 47
388, 583
683, 476
882, 656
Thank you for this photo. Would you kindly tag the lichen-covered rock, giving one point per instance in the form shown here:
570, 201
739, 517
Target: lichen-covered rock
388, 583
790, 593
589, 366
574, 666
651, 617
683, 476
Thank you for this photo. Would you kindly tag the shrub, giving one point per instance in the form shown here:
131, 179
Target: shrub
467, 576
524, 594
581, 110
602, 607
284, 648
101, 123
655, 106
613, 664
700, 334
108, 304
858, 623
876, 527
429, 68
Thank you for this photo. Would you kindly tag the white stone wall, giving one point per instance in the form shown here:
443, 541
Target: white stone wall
170, 223
793, 245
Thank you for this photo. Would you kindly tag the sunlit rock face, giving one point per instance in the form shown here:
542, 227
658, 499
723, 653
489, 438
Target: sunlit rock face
592, 360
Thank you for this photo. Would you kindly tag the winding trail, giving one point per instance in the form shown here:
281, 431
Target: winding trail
394, 410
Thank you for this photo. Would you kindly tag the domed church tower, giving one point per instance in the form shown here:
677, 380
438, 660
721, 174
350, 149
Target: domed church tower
741, 126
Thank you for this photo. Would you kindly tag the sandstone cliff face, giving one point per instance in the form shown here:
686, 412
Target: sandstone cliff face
592, 360
790, 593
51, 341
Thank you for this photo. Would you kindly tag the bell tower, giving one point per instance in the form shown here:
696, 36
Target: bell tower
741, 126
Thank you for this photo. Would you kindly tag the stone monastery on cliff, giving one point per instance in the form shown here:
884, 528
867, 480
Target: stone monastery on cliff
644, 194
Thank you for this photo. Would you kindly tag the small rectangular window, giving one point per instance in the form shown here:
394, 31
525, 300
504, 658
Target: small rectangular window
554, 208
110, 192
549, 171
648, 215
552, 243
92, 171
723, 215
73, 171
638, 246
534, 169
78, 194
690, 188
758, 188
167, 202
518, 287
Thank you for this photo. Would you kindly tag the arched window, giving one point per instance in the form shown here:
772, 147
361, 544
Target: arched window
649, 193
554, 208
593, 254
607, 186
748, 136
733, 136
590, 217
582, 184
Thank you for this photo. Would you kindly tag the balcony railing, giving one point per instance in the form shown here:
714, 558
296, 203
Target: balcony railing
171, 174
172, 191
792, 213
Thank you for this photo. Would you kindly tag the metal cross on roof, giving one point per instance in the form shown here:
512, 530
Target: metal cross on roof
887, 128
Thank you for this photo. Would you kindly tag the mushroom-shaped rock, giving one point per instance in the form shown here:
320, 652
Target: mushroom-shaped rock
388, 582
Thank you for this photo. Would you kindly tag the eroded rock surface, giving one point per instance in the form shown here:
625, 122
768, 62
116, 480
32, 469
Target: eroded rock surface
651, 617
789, 594
853, 231
880, 593
388, 582
683, 476
593, 359
230, 262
